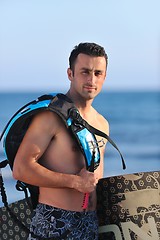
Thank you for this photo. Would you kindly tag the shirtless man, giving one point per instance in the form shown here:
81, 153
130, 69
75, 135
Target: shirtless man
48, 156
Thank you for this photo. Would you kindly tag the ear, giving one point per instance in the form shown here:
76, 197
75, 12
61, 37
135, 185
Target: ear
70, 74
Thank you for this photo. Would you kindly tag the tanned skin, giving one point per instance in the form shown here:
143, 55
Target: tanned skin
48, 156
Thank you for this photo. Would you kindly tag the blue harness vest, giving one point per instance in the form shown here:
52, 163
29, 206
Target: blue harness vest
83, 133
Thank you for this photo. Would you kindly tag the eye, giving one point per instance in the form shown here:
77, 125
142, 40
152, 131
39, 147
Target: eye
85, 72
98, 73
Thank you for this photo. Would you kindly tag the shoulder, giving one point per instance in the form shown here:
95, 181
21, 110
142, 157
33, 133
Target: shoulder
103, 122
45, 116
46, 121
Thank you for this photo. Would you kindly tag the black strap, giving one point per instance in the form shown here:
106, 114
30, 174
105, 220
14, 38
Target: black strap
102, 134
75, 115
4, 163
20, 186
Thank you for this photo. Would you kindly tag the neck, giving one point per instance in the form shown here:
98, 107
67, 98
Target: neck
83, 105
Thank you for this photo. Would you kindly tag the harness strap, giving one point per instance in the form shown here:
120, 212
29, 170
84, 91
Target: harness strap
77, 118
4, 163
22, 187
102, 134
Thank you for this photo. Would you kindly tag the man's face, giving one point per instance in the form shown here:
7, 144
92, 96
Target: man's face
88, 76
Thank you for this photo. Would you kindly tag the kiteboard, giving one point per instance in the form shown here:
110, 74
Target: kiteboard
128, 208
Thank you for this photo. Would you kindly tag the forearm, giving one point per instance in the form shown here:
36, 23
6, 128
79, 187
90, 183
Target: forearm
37, 175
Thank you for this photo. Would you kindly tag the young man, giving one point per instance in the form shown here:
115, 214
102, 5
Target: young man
49, 157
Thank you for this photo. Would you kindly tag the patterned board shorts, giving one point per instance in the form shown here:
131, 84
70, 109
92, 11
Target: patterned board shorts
53, 223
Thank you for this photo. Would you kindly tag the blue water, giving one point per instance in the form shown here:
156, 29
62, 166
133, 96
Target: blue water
134, 119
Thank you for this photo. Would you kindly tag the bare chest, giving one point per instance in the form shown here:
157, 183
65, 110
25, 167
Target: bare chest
63, 154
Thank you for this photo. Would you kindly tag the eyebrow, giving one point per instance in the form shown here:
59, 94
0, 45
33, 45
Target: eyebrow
85, 68
90, 70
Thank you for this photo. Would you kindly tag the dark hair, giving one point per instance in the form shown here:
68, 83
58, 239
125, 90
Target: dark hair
91, 49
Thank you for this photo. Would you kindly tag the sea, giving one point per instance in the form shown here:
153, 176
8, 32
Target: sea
134, 119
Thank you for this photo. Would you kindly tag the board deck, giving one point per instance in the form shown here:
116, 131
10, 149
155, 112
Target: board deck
128, 207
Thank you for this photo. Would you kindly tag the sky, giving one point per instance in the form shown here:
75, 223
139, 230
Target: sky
36, 38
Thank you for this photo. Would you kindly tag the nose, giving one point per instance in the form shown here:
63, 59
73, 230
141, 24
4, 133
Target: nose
91, 78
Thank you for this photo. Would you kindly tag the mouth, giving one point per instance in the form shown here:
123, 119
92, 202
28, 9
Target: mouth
90, 88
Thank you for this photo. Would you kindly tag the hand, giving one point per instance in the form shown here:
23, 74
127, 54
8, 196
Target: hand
87, 181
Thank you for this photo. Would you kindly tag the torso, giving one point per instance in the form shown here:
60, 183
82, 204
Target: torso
63, 155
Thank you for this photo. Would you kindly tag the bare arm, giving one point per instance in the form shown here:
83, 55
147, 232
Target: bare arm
26, 167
